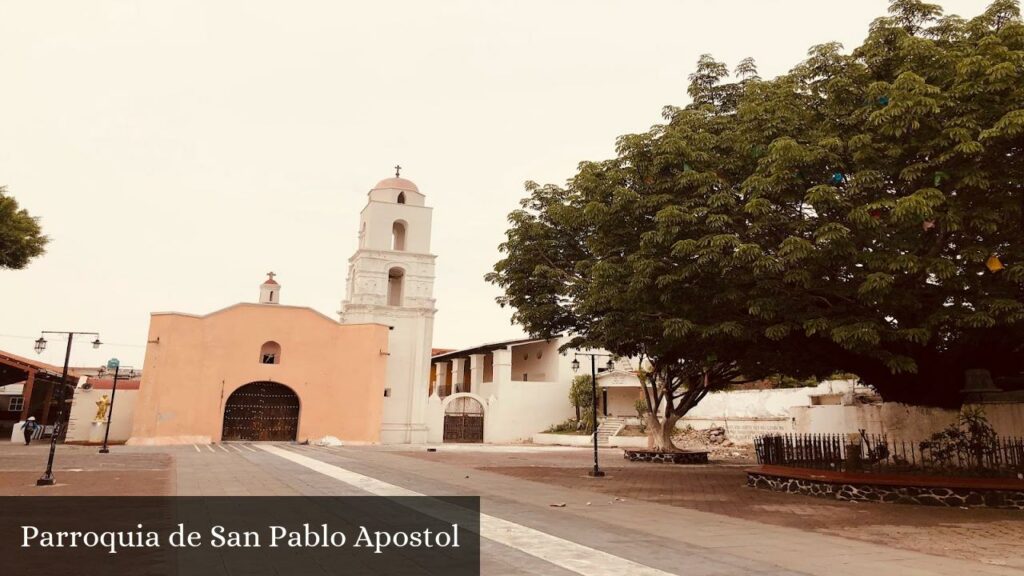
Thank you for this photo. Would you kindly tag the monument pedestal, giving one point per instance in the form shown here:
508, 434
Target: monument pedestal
96, 432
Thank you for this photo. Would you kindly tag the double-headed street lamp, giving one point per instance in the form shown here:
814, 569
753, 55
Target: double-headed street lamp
596, 472
47, 478
116, 365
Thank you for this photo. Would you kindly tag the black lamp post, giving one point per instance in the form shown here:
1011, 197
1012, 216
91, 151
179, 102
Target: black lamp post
47, 477
596, 472
116, 365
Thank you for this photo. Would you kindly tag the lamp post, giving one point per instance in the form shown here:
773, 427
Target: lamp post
596, 472
116, 365
47, 477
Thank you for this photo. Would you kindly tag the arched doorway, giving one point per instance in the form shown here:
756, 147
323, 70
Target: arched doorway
261, 411
464, 420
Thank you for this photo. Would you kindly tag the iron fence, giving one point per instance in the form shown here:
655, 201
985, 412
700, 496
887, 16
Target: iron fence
1001, 456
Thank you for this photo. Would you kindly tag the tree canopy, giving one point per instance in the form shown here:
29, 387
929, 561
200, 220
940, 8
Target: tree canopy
21, 239
862, 213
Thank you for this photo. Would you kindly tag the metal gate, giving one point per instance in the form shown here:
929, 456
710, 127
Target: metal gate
464, 421
261, 411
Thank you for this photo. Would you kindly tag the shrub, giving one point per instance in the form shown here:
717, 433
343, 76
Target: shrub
968, 439
570, 425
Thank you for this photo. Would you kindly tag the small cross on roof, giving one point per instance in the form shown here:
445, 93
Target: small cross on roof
398, 170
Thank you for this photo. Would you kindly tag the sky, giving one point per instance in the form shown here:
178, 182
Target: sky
175, 152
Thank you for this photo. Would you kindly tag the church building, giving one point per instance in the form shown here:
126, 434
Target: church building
270, 371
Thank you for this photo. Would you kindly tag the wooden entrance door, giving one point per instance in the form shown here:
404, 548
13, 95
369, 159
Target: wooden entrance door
464, 421
261, 411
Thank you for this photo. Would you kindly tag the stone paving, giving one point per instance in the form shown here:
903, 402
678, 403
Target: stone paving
82, 471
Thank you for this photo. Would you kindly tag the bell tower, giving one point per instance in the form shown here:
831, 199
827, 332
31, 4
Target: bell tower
391, 281
270, 290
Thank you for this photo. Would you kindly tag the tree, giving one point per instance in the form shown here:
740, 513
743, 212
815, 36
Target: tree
21, 239
626, 259
861, 213
889, 202
582, 398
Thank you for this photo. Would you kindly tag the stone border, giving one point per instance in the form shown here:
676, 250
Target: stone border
813, 483
687, 457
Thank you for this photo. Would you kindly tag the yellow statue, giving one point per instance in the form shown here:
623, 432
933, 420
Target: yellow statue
101, 408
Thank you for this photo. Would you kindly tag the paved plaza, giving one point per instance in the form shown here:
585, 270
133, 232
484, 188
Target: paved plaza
641, 519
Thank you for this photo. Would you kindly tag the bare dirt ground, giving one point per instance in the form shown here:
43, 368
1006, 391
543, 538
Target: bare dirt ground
989, 536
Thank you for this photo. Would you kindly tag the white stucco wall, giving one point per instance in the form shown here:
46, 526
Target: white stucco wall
525, 361
518, 410
900, 421
622, 401
83, 412
513, 411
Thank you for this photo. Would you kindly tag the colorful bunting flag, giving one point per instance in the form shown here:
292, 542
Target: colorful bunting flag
994, 264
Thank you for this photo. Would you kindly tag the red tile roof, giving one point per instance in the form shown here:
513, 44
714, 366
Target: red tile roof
108, 384
41, 366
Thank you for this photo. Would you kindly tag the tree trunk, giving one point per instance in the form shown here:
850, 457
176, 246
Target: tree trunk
659, 434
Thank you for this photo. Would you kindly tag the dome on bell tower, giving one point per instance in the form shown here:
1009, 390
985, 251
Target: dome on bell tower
397, 190
396, 183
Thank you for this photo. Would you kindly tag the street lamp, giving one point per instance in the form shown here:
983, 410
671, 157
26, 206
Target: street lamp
596, 472
116, 365
47, 477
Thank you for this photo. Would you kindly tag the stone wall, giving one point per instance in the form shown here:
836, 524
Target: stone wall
865, 492
688, 457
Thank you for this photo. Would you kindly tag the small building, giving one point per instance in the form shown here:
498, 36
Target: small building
499, 392
31, 388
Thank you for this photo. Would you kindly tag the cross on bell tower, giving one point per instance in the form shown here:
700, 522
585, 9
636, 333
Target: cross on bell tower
398, 171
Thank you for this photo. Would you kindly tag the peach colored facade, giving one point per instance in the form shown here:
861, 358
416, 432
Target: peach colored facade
194, 363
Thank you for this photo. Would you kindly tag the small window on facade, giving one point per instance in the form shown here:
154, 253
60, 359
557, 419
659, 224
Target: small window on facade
387, 392
16, 405
270, 353
401, 197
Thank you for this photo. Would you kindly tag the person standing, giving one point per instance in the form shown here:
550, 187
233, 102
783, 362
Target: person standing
29, 426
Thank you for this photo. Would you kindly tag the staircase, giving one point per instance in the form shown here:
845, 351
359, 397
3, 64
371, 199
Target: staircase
609, 427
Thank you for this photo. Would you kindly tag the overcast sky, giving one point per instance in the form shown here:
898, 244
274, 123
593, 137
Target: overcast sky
177, 151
